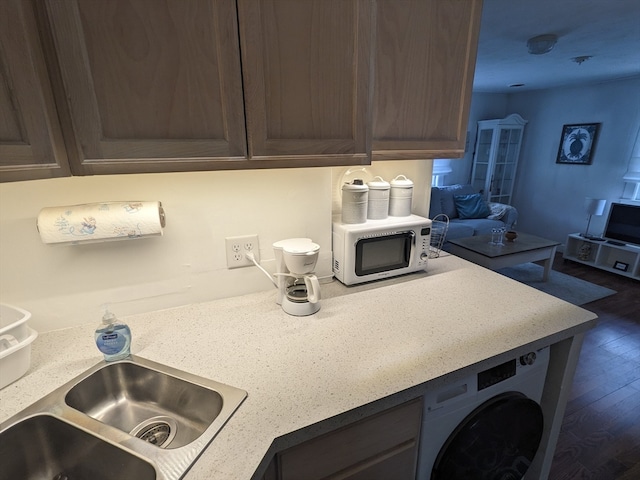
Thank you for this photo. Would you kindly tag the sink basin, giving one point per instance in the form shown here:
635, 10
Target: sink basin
141, 416
44, 446
161, 409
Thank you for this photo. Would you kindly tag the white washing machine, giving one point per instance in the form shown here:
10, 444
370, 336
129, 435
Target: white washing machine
486, 426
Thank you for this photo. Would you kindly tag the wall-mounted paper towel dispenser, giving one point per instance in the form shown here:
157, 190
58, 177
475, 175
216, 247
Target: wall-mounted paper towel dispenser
99, 222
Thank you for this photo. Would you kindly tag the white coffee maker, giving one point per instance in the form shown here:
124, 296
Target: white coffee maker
298, 287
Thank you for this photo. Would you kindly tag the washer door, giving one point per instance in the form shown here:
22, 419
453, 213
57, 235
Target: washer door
497, 441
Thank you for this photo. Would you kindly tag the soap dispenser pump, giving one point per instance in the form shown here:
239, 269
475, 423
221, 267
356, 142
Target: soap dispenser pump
113, 338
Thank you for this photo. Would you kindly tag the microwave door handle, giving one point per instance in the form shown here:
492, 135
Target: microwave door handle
412, 242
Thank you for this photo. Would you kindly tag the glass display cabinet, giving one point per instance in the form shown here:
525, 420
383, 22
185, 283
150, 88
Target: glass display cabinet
496, 157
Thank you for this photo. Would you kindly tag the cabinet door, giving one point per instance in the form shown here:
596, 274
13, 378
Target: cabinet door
482, 164
306, 80
379, 447
425, 54
506, 161
149, 85
31, 144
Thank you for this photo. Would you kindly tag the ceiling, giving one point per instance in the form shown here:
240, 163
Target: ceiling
607, 30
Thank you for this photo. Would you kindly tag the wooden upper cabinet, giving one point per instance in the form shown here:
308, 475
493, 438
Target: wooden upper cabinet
132, 86
149, 86
31, 144
306, 72
425, 54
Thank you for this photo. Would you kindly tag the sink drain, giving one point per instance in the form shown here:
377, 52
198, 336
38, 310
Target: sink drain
158, 431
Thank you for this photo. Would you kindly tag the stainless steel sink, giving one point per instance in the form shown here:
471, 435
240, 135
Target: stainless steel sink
150, 412
47, 447
162, 409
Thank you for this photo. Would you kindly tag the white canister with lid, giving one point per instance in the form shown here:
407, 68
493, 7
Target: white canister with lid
400, 196
355, 196
378, 204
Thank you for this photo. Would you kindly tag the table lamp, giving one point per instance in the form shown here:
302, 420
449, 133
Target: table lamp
593, 206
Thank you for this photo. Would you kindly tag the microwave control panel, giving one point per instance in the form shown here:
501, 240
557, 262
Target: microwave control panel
425, 236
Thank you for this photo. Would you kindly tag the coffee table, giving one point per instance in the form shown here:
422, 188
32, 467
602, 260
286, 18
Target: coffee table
525, 248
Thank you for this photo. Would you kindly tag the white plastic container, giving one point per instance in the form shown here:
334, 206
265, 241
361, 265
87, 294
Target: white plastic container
16, 360
355, 197
378, 204
15, 343
400, 197
13, 325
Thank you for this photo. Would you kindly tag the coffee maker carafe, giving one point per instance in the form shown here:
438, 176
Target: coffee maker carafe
298, 287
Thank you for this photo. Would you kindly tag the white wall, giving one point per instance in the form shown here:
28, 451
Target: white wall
66, 285
549, 196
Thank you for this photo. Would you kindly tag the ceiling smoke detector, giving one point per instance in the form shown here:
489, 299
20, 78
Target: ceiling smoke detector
542, 43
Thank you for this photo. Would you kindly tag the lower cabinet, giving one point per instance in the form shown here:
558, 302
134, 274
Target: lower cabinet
382, 446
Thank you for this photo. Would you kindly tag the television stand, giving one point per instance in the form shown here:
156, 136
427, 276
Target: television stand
614, 257
592, 237
619, 244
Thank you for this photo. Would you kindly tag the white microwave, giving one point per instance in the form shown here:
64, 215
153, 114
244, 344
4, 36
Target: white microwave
378, 249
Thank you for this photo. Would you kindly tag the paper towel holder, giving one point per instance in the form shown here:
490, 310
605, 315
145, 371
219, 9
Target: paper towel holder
162, 216
100, 222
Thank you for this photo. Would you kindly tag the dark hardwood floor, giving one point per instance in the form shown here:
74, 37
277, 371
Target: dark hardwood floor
600, 436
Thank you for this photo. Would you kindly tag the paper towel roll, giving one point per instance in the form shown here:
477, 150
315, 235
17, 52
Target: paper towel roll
99, 222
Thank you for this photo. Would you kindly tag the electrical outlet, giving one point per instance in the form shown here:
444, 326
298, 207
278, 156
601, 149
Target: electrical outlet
238, 247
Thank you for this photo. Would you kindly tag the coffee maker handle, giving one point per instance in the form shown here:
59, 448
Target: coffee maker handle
313, 288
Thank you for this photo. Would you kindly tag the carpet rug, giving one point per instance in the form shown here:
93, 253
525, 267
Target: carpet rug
565, 287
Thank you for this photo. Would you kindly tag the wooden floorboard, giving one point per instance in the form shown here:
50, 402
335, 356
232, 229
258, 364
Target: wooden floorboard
600, 435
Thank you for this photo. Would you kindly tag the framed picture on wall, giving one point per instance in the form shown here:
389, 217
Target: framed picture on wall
577, 143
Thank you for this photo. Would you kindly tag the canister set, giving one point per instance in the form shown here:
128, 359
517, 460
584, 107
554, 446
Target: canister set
376, 200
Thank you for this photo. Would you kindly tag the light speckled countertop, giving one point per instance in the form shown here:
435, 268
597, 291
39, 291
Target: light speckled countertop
374, 346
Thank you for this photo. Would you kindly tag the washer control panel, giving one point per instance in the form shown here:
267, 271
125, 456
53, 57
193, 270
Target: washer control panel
496, 374
528, 359
505, 370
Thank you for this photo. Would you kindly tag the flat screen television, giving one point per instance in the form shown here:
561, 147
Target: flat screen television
623, 224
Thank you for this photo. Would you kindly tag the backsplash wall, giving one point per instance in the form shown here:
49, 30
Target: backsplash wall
66, 285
